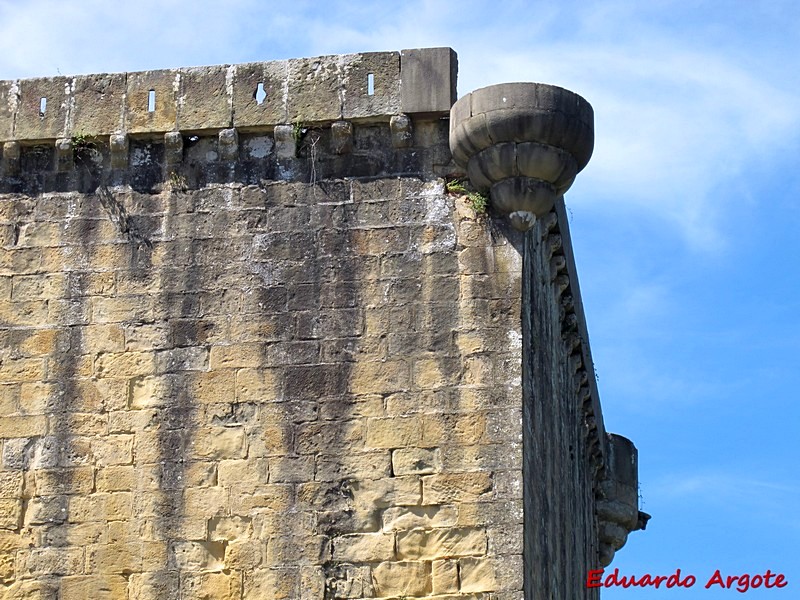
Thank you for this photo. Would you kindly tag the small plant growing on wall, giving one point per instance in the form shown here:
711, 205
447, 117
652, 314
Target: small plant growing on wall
298, 133
81, 141
176, 182
477, 201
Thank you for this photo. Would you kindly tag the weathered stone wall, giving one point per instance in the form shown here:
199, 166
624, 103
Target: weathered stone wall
265, 354
290, 385
559, 473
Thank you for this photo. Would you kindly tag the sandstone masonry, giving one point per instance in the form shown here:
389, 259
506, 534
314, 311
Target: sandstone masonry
253, 349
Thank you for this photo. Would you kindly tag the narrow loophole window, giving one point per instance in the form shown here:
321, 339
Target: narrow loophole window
260, 94
151, 101
370, 85
42, 106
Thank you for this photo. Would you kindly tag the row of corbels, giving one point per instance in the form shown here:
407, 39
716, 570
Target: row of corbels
285, 137
571, 337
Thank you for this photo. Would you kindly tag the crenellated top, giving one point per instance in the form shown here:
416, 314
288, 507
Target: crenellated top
253, 96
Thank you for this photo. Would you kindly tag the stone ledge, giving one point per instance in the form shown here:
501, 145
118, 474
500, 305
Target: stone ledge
372, 86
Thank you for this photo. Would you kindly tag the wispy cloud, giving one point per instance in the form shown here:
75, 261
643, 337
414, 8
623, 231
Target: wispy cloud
735, 490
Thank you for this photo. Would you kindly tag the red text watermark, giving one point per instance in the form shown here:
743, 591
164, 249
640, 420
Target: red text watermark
741, 583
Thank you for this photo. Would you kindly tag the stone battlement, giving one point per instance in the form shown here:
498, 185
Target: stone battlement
254, 96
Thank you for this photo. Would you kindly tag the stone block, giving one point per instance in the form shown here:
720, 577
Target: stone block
213, 387
432, 373
124, 365
292, 469
419, 517
151, 392
39, 398
394, 432
428, 80
236, 356
99, 587
211, 586
204, 102
295, 549
350, 581
11, 513
490, 513
97, 108
228, 142
113, 450
10, 162
276, 584
402, 579
312, 583
116, 506
477, 575
65, 155
138, 116
251, 497
244, 555
41, 510
440, 543
379, 377
155, 584
368, 465
51, 93
25, 313
8, 106
364, 547
231, 472
248, 113
230, 528
219, 443
285, 141
121, 308
444, 576
383, 67
46, 562
454, 429
314, 90
23, 427
455, 487
119, 145
177, 360
198, 556
115, 479
10, 484
402, 131
341, 137
324, 437
173, 148
44, 341
76, 534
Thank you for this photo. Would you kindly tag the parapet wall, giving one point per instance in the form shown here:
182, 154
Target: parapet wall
352, 87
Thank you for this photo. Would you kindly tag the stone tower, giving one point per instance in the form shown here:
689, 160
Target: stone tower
255, 345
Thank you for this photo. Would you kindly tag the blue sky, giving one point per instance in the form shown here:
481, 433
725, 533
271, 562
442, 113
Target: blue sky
685, 223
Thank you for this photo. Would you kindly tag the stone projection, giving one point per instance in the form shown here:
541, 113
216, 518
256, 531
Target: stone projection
260, 341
